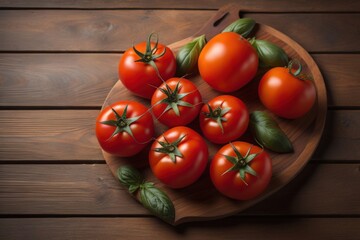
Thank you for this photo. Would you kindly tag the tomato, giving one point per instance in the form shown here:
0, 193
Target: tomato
124, 128
176, 102
240, 170
137, 71
224, 119
178, 157
228, 62
285, 94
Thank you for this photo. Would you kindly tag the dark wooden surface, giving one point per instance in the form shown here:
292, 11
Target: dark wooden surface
58, 62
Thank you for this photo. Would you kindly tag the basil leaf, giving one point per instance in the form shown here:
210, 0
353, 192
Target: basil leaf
187, 57
268, 133
270, 55
157, 202
242, 26
130, 177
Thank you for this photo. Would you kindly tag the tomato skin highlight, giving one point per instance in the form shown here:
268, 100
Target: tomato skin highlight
235, 123
122, 144
187, 114
230, 184
187, 169
228, 62
141, 78
286, 95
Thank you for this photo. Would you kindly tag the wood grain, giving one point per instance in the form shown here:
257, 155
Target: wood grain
247, 5
68, 135
145, 228
111, 30
310, 32
115, 30
70, 80
90, 189
84, 80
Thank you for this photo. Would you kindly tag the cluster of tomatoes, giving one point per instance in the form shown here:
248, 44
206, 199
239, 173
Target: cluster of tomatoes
179, 156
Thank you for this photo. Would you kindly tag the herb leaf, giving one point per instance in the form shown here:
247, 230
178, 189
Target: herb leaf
187, 57
152, 198
270, 55
130, 178
268, 133
242, 26
157, 202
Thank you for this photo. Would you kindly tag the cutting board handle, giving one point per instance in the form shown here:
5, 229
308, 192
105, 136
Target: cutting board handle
223, 17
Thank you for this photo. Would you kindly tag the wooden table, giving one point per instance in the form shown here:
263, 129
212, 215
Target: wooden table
58, 61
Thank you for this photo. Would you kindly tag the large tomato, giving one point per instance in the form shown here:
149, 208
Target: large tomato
124, 128
240, 170
178, 157
224, 119
228, 62
141, 65
285, 93
176, 102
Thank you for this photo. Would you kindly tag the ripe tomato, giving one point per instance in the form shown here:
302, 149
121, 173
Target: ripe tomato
178, 157
228, 62
286, 95
124, 128
240, 170
176, 102
137, 67
224, 119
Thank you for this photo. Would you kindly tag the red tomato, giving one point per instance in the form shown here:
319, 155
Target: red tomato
224, 119
124, 128
136, 67
228, 62
240, 170
176, 102
178, 157
286, 95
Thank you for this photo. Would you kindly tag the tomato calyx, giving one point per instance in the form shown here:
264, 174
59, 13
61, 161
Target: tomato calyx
170, 149
241, 163
149, 55
173, 99
217, 115
122, 123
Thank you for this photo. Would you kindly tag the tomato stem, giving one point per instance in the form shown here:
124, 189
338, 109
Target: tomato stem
122, 123
170, 149
149, 55
217, 115
241, 163
292, 69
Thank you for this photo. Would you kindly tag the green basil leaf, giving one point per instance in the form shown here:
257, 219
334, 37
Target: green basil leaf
187, 57
242, 26
157, 202
270, 55
130, 177
268, 133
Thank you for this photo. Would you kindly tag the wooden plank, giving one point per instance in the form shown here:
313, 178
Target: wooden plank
144, 228
65, 134
57, 79
110, 30
316, 32
84, 80
115, 30
248, 5
80, 189
341, 78
69, 135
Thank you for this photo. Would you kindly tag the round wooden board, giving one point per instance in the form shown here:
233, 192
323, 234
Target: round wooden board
201, 201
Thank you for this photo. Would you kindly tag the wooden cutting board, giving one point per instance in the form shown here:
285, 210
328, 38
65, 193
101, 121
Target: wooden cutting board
201, 201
